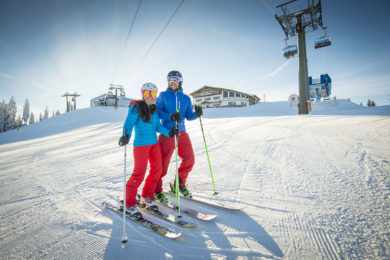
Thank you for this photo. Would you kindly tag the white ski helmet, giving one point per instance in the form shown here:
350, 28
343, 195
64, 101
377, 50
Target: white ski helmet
148, 86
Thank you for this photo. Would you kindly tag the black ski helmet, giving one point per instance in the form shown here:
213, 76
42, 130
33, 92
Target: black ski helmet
175, 73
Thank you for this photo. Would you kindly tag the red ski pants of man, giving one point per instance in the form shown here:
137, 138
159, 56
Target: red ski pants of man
185, 153
141, 156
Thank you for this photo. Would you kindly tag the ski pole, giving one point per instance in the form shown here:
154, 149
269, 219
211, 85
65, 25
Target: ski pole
208, 157
178, 215
124, 199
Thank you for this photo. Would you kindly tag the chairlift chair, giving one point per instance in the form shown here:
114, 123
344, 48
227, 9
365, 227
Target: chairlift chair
323, 41
122, 94
289, 51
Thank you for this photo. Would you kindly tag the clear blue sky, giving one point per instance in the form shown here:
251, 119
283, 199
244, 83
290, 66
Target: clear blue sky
51, 47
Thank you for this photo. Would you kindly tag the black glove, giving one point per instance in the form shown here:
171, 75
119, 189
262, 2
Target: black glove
174, 132
176, 117
198, 111
124, 140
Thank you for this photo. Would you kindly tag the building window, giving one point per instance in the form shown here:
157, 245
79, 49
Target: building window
238, 95
216, 97
225, 94
243, 103
231, 94
232, 103
198, 100
208, 98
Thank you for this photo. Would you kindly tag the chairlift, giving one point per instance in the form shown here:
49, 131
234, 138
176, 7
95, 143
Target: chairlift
110, 94
122, 94
323, 41
289, 51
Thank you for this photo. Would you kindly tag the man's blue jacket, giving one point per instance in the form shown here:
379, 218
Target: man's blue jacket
167, 103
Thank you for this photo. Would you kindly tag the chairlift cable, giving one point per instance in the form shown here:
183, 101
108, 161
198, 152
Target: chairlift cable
127, 38
267, 5
158, 36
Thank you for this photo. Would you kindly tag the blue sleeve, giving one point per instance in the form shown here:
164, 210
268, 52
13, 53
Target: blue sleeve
190, 114
160, 108
130, 121
161, 129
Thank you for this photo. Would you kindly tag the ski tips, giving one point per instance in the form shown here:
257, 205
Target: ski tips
166, 232
173, 235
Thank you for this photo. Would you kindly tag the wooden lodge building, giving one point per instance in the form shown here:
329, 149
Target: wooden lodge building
221, 97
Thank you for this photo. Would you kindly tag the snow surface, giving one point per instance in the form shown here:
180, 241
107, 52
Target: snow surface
313, 186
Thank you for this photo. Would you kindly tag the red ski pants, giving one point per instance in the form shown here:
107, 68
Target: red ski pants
141, 156
185, 152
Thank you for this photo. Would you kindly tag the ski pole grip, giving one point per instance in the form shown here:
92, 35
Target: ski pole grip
177, 123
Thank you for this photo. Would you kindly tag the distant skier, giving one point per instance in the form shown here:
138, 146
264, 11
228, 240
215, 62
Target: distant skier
174, 106
142, 116
317, 94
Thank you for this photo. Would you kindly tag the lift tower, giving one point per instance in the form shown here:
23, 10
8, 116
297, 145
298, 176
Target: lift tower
297, 24
74, 95
116, 87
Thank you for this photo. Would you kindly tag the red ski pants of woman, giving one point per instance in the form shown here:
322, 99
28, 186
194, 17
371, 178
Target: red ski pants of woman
185, 152
141, 156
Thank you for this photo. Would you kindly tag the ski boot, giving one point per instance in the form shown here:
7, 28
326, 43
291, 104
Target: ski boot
182, 189
133, 212
160, 196
148, 203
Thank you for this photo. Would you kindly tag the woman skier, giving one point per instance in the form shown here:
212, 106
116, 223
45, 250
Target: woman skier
143, 117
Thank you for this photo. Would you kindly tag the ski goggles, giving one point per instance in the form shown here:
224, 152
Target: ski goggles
148, 93
174, 79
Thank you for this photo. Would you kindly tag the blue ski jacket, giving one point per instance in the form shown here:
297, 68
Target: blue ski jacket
167, 103
145, 133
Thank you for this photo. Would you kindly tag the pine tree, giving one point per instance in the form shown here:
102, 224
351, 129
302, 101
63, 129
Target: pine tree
46, 115
2, 115
26, 111
40, 116
11, 115
371, 103
19, 122
32, 119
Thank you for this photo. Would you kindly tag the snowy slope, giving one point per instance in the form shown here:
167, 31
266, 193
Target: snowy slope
313, 186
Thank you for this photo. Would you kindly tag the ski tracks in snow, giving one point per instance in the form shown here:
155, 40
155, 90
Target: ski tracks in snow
359, 191
270, 172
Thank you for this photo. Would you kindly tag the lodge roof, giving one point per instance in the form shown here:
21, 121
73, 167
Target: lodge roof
254, 97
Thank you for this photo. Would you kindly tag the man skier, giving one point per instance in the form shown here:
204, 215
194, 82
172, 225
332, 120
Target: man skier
173, 107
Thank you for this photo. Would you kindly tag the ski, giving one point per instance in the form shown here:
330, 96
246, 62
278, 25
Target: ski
217, 204
190, 212
144, 222
168, 217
